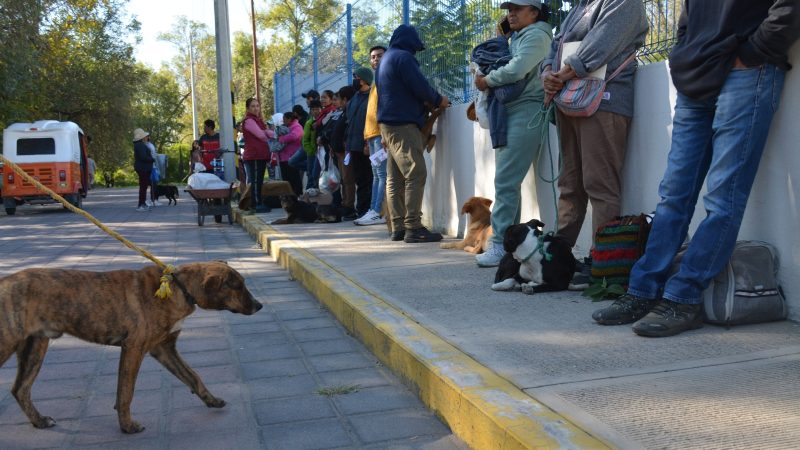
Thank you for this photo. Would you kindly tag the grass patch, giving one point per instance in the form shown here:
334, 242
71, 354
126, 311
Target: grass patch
338, 390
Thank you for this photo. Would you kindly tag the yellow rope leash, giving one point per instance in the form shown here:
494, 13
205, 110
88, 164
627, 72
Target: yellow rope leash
164, 291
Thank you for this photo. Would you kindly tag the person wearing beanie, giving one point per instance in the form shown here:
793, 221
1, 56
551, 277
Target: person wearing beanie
357, 174
372, 135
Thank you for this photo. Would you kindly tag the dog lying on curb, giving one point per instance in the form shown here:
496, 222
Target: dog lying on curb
479, 229
534, 262
112, 308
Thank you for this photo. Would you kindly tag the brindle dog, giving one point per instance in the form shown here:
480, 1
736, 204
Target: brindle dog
112, 308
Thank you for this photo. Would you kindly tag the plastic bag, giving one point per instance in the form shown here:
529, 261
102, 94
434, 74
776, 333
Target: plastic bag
482, 109
329, 179
155, 174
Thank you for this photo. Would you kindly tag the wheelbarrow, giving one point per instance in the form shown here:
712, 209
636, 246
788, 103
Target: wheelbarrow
212, 202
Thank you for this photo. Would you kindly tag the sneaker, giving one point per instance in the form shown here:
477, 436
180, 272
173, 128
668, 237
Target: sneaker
366, 215
669, 318
421, 234
492, 256
156, 203
370, 218
142, 208
398, 235
626, 309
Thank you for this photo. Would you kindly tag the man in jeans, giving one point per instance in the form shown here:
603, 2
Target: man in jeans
728, 67
402, 92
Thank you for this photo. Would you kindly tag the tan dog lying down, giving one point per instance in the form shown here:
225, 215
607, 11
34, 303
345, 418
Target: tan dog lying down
112, 308
479, 229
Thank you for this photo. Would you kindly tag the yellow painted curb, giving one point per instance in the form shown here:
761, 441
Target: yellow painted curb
482, 408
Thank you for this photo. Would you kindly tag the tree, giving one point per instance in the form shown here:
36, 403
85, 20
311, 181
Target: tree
299, 20
159, 106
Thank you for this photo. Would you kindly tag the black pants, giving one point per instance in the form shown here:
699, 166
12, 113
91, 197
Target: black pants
293, 176
254, 170
144, 181
358, 177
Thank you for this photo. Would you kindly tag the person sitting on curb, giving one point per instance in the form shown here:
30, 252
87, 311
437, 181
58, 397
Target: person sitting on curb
728, 67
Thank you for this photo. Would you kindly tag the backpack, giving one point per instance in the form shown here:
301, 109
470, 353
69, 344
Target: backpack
746, 290
618, 244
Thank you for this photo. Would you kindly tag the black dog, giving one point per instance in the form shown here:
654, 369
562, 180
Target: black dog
534, 262
109, 179
329, 214
298, 211
167, 190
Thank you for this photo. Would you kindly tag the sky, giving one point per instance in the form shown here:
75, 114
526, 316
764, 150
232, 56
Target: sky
158, 16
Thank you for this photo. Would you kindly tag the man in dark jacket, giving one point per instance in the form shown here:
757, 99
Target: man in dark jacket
728, 67
357, 176
142, 164
402, 94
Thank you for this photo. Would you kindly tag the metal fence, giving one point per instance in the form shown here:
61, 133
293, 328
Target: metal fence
449, 29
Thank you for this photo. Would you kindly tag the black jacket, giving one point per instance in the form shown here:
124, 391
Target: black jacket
713, 33
142, 159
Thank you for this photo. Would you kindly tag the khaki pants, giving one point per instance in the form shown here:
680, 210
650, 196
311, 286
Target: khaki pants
405, 175
593, 151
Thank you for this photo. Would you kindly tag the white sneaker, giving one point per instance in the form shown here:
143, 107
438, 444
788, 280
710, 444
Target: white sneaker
142, 208
492, 256
148, 203
367, 215
156, 203
371, 218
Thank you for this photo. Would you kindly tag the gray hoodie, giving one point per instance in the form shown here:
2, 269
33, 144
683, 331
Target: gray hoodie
610, 30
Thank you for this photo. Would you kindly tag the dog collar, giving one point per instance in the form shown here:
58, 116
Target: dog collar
539, 248
189, 298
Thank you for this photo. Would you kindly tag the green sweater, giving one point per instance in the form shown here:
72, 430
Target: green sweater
310, 138
529, 46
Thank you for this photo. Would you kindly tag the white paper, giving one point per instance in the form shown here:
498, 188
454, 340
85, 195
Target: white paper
378, 157
569, 48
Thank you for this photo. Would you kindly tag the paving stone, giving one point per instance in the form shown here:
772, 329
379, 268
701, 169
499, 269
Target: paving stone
209, 358
288, 386
24, 436
207, 419
329, 347
235, 439
105, 429
311, 313
261, 316
269, 352
59, 409
318, 334
377, 399
260, 340
211, 375
342, 361
318, 434
289, 304
66, 370
367, 377
255, 328
276, 368
67, 388
145, 381
396, 425
202, 345
280, 410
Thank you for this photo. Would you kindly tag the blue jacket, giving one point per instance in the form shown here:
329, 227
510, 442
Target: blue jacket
356, 117
402, 89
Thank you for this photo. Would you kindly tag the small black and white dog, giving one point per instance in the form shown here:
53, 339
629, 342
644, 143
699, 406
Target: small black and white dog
534, 262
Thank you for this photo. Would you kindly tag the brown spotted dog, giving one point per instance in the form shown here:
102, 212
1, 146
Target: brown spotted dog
479, 229
112, 308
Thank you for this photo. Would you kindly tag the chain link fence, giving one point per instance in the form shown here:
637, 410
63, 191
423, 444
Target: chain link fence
449, 29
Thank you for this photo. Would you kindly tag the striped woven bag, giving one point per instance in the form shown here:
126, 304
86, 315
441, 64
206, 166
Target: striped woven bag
580, 97
618, 244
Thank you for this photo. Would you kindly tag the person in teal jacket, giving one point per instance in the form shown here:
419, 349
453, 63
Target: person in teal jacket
531, 36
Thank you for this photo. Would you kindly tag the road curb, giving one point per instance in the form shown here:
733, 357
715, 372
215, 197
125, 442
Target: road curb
482, 408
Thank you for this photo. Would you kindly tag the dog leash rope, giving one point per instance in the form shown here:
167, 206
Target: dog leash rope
164, 292
541, 119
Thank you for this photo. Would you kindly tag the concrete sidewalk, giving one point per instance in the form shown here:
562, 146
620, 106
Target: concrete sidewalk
507, 370
291, 375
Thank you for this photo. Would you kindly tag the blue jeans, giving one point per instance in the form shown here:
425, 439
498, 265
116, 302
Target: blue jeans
378, 176
719, 140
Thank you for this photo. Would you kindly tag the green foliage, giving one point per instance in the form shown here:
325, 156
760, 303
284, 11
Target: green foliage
159, 106
299, 20
603, 291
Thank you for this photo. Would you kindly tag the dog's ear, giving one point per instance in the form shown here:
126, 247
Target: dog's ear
486, 201
534, 223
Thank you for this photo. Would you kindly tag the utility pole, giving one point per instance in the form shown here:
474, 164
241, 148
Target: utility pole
255, 52
224, 85
191, 74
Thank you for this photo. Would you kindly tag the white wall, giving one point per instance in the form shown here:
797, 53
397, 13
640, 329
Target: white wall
462, 165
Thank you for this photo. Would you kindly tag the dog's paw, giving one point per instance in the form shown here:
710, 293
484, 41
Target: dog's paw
132, 427
214, 402
44, 422
528, 288
509, 284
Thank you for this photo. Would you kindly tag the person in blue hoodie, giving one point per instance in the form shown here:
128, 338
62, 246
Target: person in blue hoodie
402, 94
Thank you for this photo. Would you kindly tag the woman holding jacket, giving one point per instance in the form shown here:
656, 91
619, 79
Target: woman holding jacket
256, 151
530, 40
